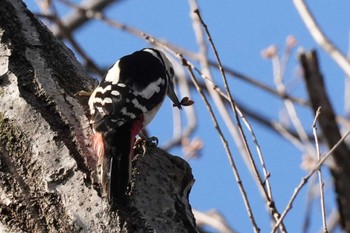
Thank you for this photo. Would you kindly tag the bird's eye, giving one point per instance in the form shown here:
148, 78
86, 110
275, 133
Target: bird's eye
171, 71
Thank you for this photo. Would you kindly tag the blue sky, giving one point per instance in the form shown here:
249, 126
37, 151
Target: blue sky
241, 30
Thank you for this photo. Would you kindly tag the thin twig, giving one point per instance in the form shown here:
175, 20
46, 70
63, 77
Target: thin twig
77, 18
320, 37
203, 59
308, 206
238, 114
320, 178
288, 135
262, 86
347, 86
278, 68
89, 63
213, 219
219, 104
275, 126
327, 121
333, 220
305, 179
191, 116
224, 141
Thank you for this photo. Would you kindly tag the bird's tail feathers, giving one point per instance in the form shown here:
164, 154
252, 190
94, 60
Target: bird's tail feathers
114, 160
120, 169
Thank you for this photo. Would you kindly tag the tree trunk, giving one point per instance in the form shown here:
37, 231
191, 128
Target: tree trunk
47, 172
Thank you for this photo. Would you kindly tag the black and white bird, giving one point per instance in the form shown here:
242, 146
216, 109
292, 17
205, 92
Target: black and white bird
126, 100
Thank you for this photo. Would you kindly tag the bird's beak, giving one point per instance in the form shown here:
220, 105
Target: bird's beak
173, 97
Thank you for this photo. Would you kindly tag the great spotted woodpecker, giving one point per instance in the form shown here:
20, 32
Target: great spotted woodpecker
125, 101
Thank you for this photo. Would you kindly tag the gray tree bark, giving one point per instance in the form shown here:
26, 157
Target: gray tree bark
47, 171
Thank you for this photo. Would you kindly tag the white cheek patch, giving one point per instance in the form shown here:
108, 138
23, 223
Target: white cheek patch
151, 89
113, 74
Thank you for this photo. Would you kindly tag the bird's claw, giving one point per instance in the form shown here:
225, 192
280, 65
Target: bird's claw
139, 142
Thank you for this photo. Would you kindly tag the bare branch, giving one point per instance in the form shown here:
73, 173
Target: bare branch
181, 134
309, 205
333, 220
278, 70
238, 114
306, 178
214, 219
327, 121
77, 18
219, 104
320, 37
320, 178
68, 35
225, 143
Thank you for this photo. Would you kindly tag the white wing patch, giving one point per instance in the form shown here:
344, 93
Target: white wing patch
99, 109
151, 89
101, 90
139, 106
97, 100
106, 100
113, 74
115, 92
92, 100
129, 114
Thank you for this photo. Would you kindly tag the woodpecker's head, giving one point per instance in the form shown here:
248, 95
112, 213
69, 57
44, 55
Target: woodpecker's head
170, 73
